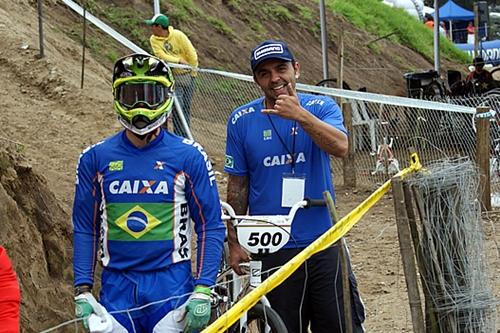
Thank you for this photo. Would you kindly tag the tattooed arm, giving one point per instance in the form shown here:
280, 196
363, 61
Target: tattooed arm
327, 137
237, 197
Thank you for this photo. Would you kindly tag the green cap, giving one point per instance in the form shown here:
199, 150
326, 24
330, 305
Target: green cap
160, 19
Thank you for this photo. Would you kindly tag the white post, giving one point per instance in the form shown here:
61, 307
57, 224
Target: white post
436, 37
324, 39
156, 5
182, 118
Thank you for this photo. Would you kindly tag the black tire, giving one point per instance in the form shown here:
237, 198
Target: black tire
257, 318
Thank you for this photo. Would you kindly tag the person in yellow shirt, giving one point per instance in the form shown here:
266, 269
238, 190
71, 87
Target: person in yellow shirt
173, 46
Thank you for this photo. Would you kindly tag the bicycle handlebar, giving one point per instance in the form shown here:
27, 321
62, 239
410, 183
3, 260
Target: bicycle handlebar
263, 234
315, 203
306, 203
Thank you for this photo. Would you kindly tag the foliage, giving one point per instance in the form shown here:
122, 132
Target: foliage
381, 20
369, 15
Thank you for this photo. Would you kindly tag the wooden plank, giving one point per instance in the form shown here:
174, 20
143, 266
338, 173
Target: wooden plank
348, 162
407, 256
430, 315
483, 157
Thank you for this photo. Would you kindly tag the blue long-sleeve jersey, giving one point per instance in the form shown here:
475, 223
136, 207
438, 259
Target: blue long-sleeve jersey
133, 206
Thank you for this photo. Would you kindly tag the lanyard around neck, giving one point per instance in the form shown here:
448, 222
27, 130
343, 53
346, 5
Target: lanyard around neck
294, 134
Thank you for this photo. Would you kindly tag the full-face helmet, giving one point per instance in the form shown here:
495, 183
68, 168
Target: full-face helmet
143, 88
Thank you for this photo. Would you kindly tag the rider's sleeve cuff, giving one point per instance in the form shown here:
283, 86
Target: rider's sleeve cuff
202, 289
84, 288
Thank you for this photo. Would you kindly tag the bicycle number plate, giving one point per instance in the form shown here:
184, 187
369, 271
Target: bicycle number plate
261, 237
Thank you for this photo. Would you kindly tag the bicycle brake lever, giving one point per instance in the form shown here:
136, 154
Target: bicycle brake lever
245, 267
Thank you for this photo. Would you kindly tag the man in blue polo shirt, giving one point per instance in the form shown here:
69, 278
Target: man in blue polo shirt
278, 152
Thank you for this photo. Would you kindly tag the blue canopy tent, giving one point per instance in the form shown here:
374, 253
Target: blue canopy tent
450, 11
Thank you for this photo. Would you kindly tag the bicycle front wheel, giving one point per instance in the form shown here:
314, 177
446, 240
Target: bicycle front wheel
262, 319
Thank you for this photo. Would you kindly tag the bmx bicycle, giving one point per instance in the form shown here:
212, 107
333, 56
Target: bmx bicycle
260, 235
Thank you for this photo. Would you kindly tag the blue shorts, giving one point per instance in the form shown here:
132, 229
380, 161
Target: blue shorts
122, 292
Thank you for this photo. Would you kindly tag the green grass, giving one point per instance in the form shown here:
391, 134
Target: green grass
379, 19
221, 27
279, 13
234, 4
369, 15
306, 13
183, 12
124, 19
375, 48
112, 55
258, 28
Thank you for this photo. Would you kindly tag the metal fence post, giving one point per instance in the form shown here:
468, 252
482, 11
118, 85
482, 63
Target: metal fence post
40, 28
83, 43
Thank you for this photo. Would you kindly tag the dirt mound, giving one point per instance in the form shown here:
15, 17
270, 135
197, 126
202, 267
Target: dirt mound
37, 233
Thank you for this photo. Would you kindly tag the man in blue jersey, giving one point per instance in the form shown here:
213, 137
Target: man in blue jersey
278, 152
136, 193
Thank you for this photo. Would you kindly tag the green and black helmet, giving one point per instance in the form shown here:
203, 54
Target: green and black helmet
143, 88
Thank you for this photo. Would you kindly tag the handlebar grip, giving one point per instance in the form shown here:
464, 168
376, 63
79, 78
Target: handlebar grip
315, 203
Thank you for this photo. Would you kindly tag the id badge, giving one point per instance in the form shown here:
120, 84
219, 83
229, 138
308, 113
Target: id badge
292, 189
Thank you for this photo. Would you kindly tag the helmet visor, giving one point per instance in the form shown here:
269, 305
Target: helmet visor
149, 94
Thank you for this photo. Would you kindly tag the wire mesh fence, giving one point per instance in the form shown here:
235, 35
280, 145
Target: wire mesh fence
453, 263
384, 127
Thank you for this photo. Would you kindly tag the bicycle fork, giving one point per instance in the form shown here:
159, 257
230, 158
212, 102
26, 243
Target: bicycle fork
255, 280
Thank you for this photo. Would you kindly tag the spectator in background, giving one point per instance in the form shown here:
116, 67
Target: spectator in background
174, 46
442, 29
481, 79
429, 21
470, 33
10, 296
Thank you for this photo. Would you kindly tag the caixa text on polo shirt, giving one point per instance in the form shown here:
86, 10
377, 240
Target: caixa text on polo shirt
270, 161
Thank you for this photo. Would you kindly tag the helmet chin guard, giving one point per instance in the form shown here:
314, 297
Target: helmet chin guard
143, 130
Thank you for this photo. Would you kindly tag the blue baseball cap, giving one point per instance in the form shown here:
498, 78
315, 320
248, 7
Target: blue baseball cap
270, 49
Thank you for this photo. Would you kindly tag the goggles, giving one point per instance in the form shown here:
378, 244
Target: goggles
146, 94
